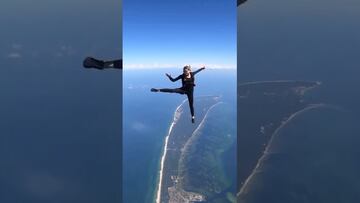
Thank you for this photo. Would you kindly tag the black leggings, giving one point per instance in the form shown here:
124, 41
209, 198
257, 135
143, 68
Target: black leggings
189, 93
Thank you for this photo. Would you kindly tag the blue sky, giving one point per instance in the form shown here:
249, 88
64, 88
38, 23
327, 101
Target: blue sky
163, 33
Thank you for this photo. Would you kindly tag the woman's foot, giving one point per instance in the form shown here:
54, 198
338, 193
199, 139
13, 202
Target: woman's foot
193, 119
154, 90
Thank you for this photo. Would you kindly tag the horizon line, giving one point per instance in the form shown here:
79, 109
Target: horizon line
170, 66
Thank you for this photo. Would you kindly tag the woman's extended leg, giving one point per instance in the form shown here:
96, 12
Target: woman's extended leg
190, 96
168, 90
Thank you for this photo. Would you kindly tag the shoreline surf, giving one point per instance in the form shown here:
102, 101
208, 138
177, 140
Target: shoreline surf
176, 117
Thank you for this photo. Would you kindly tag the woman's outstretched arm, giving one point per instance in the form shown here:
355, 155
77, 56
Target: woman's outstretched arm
198, 70
173, 79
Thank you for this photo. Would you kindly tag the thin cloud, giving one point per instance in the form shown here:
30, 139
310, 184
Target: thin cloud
65, 50
138, 126
14, 55
139, 86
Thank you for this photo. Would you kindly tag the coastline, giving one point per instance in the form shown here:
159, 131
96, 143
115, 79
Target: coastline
296, 89
266, 151
162, 174
195, 133
277, 81
176, 117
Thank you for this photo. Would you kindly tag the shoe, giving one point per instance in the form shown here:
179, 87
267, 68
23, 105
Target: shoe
193, 119
154, 90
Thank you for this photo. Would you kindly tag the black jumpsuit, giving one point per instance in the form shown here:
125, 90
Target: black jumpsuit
187, 87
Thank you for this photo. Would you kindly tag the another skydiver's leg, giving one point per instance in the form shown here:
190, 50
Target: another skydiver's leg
113, 64
168, 90
190, 95
91, 62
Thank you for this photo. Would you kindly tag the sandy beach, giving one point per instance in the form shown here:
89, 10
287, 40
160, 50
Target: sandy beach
176, 117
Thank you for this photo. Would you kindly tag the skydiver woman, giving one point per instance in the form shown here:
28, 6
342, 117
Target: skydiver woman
188, 83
